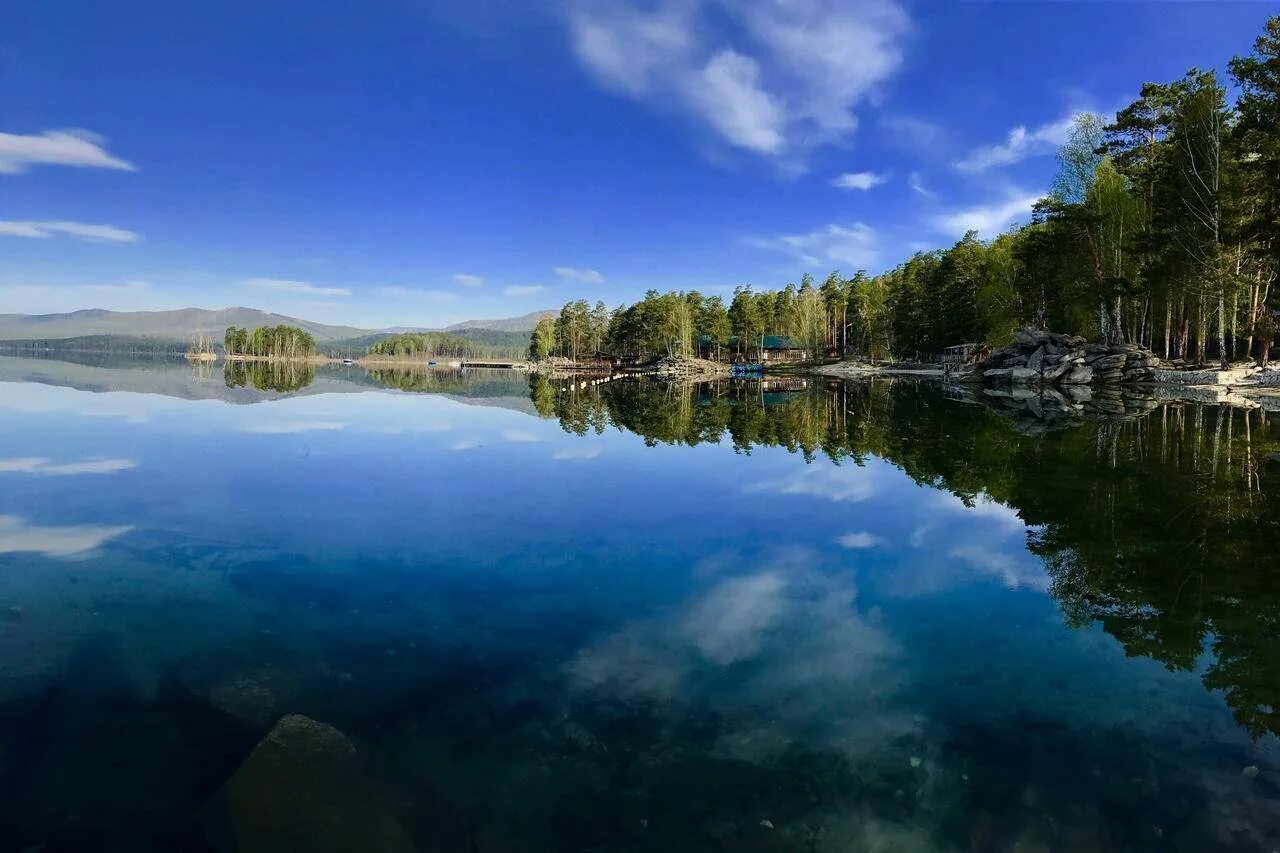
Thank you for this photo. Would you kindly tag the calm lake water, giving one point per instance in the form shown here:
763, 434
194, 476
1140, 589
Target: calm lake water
793, 617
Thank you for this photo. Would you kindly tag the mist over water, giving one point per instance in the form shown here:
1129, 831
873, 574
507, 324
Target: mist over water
797, 615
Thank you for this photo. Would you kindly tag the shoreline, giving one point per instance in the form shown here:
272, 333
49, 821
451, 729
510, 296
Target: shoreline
1265, 394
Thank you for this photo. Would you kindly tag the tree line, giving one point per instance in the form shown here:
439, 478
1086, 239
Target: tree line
269, 342
428, 344
1161, 227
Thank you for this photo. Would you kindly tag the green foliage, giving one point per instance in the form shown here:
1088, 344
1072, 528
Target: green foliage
422, 345
269, 342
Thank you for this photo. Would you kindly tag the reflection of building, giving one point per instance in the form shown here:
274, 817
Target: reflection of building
779, 348
963, 354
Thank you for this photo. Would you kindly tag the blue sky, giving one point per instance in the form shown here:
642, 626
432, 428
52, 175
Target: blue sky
402, 162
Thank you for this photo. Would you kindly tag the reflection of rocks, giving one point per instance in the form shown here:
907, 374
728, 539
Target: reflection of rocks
302, 788
1037, 357
1040, 409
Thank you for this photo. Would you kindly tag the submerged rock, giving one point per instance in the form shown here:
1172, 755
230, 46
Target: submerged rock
302, 788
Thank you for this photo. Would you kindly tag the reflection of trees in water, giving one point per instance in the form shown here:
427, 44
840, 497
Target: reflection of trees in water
1162, 527
269, 375
465, 383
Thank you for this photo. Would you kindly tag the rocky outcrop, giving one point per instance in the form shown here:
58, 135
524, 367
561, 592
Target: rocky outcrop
1037, 357
303, 788
683, 367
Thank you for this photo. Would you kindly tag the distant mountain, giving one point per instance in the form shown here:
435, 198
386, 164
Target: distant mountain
180, 325
523, 323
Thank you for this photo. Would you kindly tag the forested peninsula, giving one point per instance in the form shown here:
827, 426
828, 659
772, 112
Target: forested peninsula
1161, 228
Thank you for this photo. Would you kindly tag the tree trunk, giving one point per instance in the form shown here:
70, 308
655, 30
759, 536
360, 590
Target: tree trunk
1224, 359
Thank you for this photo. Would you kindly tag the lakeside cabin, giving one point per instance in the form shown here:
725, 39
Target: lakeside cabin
962, 354
780, 349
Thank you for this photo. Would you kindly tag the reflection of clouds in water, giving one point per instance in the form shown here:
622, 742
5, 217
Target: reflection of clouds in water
292, 427
838, 483
16, 536
589, 451
519, 436
986, 536
1011, 571
465, 445
779, 652
860, 540
413, 429
42, 466
35, 399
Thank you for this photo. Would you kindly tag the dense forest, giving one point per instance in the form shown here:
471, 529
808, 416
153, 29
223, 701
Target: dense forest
419, 345
269, 342
1161, 227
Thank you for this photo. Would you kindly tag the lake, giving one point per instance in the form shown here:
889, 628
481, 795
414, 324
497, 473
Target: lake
519, 614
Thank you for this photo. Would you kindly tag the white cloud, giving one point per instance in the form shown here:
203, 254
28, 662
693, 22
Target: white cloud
858, 181
987, 219
17, 536
467, 280
299, 288
79, 230
858, 541
585, 275
469, 444
519, 437
522, 290
77, 148
41, 466
1018, 146
847, 245
590, 451
727, 92
780, 78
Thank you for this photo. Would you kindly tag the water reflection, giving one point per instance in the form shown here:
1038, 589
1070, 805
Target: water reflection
786, 617
1158, 519
276, 375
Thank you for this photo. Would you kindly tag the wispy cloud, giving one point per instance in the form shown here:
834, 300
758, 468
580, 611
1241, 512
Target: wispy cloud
44, 467
297, 288
916, 182
584, 275
293, 427
859, 541
78, 230
522, 290
589, 451
846, 245
17, 536
1020, 144
779, 79
987, 219
858, 180
839, 484
428, 294
466, 444
78, 148
911, 132
467, 280
46, 298
519, 436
